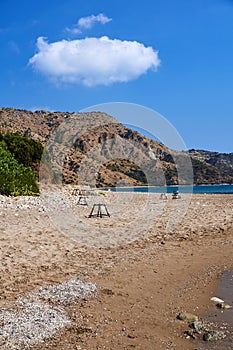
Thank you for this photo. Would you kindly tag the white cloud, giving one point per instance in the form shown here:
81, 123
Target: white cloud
89, 21
74, 31
93, 61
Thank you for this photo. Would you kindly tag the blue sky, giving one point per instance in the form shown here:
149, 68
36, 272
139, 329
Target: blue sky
175, 57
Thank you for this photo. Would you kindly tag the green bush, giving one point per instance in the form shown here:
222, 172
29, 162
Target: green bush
15, 178
25, 150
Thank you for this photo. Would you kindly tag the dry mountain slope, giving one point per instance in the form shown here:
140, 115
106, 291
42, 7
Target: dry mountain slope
104, 152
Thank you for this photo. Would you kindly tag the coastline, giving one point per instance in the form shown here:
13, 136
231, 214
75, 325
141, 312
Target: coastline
193, 189
153, 290
148, 280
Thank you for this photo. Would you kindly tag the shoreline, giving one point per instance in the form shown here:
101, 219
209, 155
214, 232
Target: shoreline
139, 300
184, 189
190, 292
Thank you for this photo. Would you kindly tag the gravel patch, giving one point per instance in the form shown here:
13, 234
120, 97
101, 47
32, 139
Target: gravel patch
65, 293
29, 324
33, 319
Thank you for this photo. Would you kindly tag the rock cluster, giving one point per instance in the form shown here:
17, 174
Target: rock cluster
200, 329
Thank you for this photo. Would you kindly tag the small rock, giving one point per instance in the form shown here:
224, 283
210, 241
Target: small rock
223, 306
214, 335
185, 316
131, 336
190, 334
107, 291
199, 327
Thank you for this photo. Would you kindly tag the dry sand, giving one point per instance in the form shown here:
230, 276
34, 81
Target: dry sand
144, 280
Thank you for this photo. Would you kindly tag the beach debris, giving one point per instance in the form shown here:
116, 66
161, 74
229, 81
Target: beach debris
221, 303
217, 300
163, 196
101, 193
176, 195
185, 316
214, 335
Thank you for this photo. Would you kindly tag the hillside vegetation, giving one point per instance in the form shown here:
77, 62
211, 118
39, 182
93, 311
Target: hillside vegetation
19, 161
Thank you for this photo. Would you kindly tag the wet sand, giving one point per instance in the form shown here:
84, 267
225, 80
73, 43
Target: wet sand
144, 282
223, 318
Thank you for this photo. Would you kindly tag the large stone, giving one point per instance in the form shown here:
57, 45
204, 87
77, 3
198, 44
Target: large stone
186, 316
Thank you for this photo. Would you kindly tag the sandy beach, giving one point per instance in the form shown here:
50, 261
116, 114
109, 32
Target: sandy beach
147, 268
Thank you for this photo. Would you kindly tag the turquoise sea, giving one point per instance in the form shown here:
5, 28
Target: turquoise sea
208, 189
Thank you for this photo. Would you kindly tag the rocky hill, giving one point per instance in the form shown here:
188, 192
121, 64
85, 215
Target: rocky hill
222, 161
94, 148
